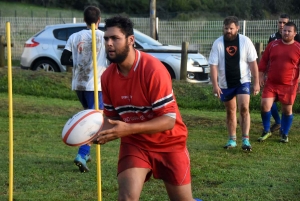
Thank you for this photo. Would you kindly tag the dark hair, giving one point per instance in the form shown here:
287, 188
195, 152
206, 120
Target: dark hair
291, 24
231, 19
284, 16
124, 23
91, 15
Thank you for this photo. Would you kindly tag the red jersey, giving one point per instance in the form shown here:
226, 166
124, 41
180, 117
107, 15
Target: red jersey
145, 93
281, 62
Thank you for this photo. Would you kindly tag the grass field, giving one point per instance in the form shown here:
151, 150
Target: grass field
44, 169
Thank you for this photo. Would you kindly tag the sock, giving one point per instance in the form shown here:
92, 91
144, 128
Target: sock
275, 113
245, 137
286, 123
84, 150
266, 118
232, 137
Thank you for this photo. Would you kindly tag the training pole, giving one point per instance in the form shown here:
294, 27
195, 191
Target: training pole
10, 111
97, 108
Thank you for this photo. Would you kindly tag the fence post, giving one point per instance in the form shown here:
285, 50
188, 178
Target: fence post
184, 57
2, 51
259, 50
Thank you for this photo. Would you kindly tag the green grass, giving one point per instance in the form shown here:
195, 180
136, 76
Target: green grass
44, 169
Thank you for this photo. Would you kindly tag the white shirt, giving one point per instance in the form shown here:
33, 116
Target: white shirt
80, 44
247, 54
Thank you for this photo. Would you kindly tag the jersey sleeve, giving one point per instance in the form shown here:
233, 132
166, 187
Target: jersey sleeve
252, 54
214, 56
160, 91
70, 42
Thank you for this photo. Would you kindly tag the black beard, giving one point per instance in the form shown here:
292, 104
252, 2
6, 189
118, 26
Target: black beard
119, 57
230, 38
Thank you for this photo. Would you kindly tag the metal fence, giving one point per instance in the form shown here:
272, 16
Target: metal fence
199, 34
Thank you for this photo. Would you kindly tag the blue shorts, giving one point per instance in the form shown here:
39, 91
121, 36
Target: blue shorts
228, 94
86, 99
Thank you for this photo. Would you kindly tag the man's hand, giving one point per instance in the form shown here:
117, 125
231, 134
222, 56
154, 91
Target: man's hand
256, 89
262, 79
217, 91
112, 129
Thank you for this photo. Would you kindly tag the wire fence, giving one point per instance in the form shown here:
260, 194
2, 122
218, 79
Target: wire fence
199, 34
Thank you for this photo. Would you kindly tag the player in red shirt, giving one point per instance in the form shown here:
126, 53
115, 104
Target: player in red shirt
280, 56
139, 101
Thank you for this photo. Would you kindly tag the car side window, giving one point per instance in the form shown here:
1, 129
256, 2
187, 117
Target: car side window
65, 33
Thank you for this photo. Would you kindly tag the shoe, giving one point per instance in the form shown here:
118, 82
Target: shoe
275, 127
81, 162
246, 146
230, 144
265, 135
284, 138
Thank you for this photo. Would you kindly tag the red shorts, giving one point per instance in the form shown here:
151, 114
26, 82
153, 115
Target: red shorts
171, 167
285, 94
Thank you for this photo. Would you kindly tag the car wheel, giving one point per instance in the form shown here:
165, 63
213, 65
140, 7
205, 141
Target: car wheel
45, 65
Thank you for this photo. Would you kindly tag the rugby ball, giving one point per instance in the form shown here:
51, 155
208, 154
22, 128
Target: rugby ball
82, 127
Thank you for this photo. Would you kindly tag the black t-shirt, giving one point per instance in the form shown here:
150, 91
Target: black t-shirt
232, 62
277, 36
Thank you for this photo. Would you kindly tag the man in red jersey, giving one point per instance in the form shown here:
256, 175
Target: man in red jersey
280, 56
140, 105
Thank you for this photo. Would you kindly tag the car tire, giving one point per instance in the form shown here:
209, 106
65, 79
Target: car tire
45, 65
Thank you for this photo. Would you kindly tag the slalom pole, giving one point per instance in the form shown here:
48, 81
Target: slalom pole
97, 108
10, 111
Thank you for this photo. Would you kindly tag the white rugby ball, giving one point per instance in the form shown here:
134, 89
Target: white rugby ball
82, 127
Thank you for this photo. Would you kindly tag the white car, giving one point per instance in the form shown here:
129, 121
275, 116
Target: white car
43, 51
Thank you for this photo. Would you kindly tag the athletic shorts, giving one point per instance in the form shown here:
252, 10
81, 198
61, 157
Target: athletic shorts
86, 99
171, 167
228, 94
286, 94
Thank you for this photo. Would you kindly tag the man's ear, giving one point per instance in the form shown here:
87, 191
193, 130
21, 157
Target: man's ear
131, 40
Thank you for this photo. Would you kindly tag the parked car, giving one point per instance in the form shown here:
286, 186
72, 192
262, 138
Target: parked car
43, 51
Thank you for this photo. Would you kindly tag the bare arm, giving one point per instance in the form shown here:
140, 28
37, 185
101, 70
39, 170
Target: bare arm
255, 76
214, 80
118, 129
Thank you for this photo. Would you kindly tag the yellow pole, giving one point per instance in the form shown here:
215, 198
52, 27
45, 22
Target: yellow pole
10, 115
97, 108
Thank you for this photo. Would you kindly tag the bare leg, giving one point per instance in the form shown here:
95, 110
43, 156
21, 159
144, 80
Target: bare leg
179, 193
244, 118
231, 116
131, 182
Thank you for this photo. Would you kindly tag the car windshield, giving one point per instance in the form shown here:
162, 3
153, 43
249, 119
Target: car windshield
143, 38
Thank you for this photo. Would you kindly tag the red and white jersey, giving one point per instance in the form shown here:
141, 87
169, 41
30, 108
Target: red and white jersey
281, 62
145, 93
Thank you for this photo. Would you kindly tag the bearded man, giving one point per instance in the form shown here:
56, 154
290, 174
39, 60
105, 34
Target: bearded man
282, 55
232, 63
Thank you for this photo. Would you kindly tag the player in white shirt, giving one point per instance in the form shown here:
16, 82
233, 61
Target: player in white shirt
232, 63
78, 53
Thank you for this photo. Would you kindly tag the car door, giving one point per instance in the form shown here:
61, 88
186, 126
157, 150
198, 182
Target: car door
61, 36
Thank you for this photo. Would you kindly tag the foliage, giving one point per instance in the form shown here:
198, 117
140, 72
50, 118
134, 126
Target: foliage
180, 9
